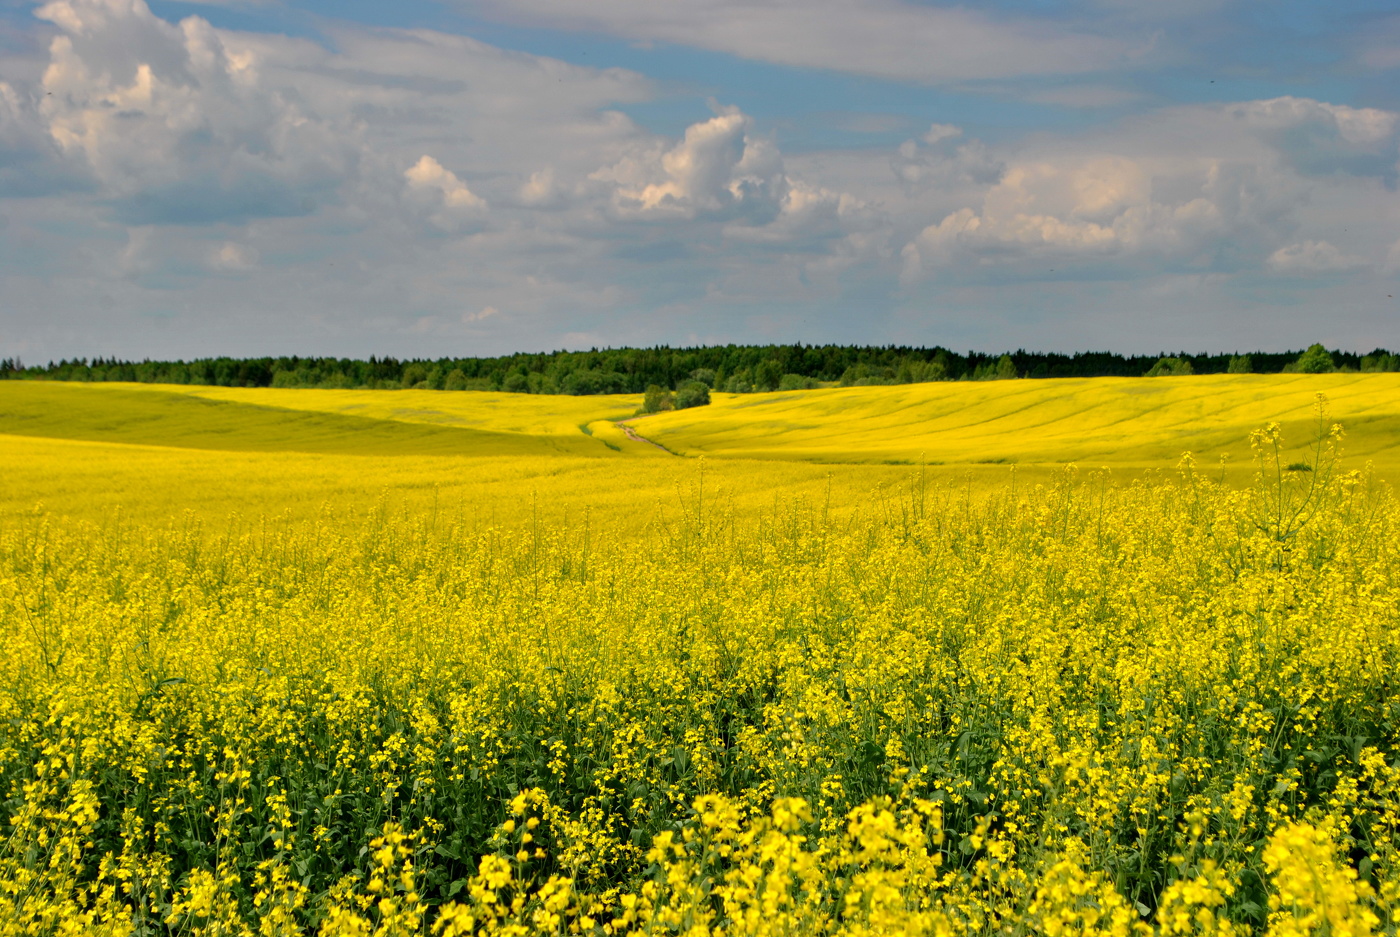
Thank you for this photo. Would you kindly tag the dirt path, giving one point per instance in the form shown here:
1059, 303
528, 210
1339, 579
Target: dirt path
635, 437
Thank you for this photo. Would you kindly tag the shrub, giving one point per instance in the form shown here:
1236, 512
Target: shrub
796, 382
656, 399
863, 375
691, 394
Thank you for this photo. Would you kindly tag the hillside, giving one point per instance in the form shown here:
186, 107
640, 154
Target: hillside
1126, 422
280, 421
1120, 421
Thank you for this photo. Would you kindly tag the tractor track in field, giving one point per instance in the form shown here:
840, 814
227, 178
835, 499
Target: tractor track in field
637, 437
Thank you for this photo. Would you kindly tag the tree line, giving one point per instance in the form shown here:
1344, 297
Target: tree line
730, 368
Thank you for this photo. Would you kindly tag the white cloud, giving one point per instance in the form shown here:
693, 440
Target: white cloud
1310, 257
721, 171
941, 161
31, 164
540, 190
718, 168
1321, 138
428, 176
187, 124
886, 38
1220, 188
939, 132
175, 125
1097, 208
486, 312
234, 257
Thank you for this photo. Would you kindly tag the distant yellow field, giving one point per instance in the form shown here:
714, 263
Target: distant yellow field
554, 415
149, 484
157, 451
1111, 421
1118, 421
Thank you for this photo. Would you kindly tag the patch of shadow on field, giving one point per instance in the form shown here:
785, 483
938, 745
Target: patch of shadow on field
106, 414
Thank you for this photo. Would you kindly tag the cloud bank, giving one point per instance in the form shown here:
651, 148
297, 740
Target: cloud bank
204, 189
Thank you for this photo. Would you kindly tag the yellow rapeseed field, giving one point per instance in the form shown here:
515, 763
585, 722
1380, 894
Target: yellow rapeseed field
393, 663
1120, 421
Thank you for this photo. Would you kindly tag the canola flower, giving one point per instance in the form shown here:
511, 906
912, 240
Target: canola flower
1068, 709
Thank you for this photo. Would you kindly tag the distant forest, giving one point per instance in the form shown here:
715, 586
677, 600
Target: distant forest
732, 368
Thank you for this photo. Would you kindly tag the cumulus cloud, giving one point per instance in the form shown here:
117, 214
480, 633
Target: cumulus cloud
1312, 257
1100, 208
722, 171
445, 201
427, 175
1233, 198
886, 38
810, 216
937, 158
1319, 138
718, 168
175, 125
541, 190
31, 164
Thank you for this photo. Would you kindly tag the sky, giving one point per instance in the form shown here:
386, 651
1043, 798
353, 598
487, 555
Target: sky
430, 178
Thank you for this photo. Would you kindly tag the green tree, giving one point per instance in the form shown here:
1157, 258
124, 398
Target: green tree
1316, 360
921, 372
541, 383
1240, 364
767, 375
656, 399
455, 380
414, 374
691, 394
1006, 369
1171, 367
796, 382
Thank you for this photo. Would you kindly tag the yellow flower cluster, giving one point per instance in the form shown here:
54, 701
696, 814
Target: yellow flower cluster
1165, 707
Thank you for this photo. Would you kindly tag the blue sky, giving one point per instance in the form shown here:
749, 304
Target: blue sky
435, 177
